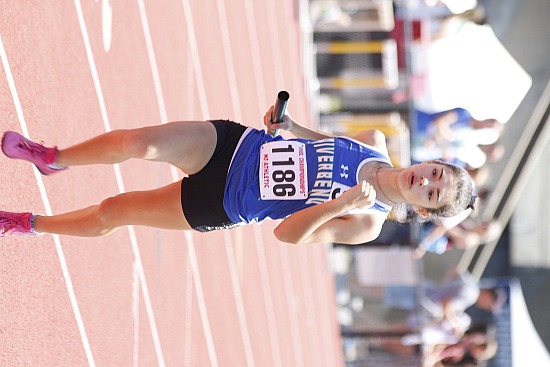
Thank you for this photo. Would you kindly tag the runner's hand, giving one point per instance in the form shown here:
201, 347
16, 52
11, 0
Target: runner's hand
360, 196
286, 124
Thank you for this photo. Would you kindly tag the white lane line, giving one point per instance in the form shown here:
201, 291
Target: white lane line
231, 258
280, 80
310, 306
107, 23
204, 109
256, 54
188, 313
268, 298
292, 302
135, 311
120, 183
324, 301
153, 62
192, 38
155, 74
190, 90
276, 45
241, 313
292, 46
228, 56
200, 299
47, 206
175, 176
285, 261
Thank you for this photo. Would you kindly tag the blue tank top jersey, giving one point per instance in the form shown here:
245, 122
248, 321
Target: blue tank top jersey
264, 174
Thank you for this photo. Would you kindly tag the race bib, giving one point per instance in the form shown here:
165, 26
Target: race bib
283, 171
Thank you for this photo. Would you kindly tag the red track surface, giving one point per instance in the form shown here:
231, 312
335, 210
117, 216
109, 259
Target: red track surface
233, 298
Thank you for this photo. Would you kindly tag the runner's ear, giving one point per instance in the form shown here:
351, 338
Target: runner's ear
421, 211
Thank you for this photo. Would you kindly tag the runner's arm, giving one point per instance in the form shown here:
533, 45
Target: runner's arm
328, 222
303, 132
294, 127
371, 137
315, 225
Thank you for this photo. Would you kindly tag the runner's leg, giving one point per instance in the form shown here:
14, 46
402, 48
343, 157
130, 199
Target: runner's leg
160, 208
188, 145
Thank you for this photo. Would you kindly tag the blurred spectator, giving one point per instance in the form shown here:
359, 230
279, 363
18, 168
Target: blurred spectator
457, 137
456, 232
441, 348
454, 295
439, 8
446, 301
458, 6
478, 344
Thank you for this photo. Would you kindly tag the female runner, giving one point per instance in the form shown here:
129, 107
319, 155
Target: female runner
325, 188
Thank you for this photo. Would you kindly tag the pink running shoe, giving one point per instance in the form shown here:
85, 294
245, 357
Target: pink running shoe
15, 223
16, 146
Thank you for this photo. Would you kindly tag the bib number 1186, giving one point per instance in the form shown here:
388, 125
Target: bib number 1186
283, 171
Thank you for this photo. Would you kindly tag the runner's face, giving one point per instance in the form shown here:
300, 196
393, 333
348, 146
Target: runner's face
428, 185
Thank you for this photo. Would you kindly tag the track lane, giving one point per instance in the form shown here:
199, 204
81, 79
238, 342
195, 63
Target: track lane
163, 251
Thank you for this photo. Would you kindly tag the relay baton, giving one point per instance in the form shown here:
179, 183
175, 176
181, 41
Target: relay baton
279, 109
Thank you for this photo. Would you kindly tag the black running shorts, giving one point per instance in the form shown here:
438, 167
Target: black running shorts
202, 193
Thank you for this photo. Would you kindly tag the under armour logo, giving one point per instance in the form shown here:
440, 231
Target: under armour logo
344, 169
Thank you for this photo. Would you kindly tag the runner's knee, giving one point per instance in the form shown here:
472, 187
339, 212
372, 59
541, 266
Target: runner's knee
108, 216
